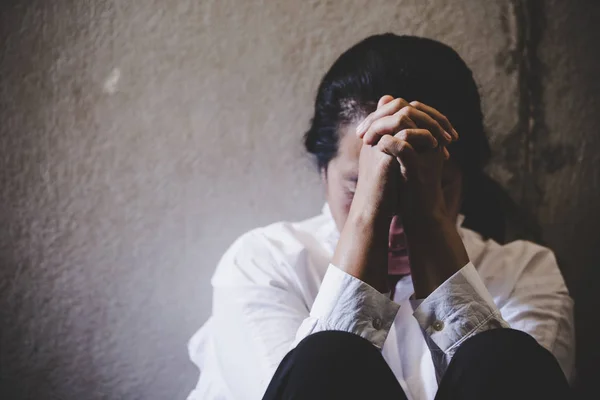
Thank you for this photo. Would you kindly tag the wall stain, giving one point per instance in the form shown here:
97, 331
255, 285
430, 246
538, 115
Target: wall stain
555, 157
507, 58
527, 149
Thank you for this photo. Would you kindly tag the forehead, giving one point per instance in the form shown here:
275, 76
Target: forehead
348, 153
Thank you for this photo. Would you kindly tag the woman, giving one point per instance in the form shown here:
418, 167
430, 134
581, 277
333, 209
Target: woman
398, 136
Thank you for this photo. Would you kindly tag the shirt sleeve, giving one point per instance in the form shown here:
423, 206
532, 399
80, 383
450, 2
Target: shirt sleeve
345, 303
458, 309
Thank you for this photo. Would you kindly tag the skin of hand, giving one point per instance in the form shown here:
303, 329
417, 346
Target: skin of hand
400, 169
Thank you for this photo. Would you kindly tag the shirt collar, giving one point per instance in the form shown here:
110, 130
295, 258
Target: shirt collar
326, 211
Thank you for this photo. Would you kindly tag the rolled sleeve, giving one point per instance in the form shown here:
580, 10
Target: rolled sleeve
345, 303
460, 308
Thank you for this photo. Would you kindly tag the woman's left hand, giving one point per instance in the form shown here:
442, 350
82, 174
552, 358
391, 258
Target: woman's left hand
422, 196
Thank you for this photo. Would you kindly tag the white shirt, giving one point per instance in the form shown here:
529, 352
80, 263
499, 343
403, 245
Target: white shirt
275, 285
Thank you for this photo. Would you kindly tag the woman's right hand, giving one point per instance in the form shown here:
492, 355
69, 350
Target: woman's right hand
391, 139
436, 250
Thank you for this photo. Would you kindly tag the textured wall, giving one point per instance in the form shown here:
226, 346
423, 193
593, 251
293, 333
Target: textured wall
137, 141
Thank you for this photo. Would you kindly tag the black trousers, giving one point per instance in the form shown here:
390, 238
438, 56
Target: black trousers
496, 364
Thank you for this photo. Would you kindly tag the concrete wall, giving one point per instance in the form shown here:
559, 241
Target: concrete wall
138, 139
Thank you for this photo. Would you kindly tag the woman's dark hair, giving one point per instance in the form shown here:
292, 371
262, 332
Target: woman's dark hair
413, 68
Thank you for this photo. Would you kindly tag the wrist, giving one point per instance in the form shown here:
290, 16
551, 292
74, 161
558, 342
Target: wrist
362, 249
434, 220
367, 219
436, 252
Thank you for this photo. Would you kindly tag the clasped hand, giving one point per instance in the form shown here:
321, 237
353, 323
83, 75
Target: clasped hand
400, 174
401, 161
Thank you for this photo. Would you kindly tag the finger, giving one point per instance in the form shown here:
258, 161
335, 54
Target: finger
386, 109
400, 149
446, 153
384, 100
389, 125
419, 139
423, 120
438, 116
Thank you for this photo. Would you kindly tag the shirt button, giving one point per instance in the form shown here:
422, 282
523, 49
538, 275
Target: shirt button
377, 323
438, 326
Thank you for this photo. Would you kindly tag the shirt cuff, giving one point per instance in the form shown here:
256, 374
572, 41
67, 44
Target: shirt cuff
345, 303
460, 308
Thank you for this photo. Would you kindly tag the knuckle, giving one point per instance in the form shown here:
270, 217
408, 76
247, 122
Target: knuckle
403, 134
401, 147
399, 119
385, 142
396, 103
407, 120
407, 111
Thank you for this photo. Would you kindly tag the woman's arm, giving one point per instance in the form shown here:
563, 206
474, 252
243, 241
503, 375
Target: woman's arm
456, 304
538, 304
400, 168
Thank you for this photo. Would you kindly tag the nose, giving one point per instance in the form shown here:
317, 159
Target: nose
396, 238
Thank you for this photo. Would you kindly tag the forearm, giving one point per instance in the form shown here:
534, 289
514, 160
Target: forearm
362, 249
436, 252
